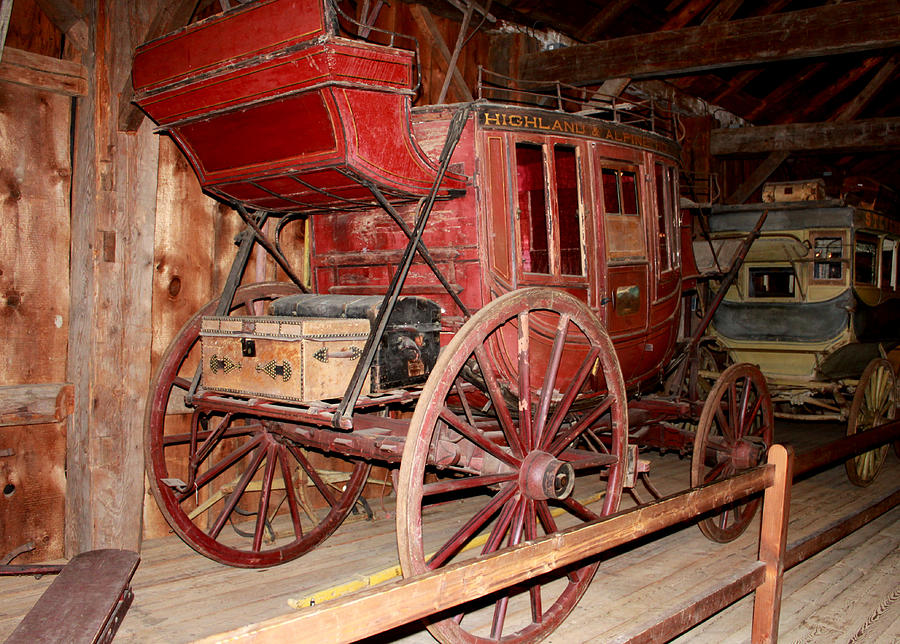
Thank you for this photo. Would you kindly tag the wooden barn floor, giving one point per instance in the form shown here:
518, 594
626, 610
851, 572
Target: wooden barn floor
848, 593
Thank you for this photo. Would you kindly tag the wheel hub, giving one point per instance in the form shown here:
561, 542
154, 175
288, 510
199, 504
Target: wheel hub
544, 477
744, 455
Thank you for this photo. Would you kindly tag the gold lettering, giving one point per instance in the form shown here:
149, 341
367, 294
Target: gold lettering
491, 119
515, 120
541, 124
558, 127
531, 121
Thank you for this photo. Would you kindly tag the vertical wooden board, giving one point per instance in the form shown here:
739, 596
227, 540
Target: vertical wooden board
32, 485
34, 247
31, 30
184, 266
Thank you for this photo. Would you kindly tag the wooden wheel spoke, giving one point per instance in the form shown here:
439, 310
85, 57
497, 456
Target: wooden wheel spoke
210, 442
724, 425
562, 331
562, 409
581, 511
466, 483
235, 496
749, 418
565, 439
524, 381
265, 495
496, 394
289, 491
476, 436
716, 472
474, 525
213, 472
180, 382
464, 401
323, 487
741, 417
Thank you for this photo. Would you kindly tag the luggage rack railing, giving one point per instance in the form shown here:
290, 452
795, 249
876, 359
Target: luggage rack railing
652, 115
363, 32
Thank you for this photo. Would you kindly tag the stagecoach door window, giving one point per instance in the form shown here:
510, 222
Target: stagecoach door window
864, 260
565, 168
532, 207
827, 254
888, 260
620, 192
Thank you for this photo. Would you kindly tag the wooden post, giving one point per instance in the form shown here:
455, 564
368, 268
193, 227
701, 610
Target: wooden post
113, 213
772, 546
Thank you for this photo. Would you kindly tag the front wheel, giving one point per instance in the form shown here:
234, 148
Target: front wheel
734, 433
496, 436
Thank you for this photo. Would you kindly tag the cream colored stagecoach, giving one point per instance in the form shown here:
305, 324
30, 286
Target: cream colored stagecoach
816, 303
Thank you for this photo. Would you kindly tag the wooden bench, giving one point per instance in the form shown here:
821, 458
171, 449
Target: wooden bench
86, 603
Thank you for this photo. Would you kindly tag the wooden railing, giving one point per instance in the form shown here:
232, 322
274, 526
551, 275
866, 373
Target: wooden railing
360, 615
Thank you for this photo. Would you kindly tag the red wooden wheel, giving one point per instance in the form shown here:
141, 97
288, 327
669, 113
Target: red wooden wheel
874, 403
510, 396
734, 432
231, 488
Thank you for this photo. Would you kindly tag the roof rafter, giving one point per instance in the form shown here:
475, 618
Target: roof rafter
822, 31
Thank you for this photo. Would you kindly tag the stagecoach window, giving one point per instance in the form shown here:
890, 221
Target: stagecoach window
532, 207
888, 260
864, 261
828, 252
565, 165
772, 282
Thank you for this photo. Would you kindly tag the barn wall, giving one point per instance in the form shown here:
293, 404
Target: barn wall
34, 312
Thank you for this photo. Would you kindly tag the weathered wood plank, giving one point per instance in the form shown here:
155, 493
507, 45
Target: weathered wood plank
43, 72
870, 134
114, 200
35, 404
822, 31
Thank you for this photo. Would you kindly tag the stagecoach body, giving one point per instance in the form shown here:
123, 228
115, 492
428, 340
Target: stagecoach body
487, 284
817, 298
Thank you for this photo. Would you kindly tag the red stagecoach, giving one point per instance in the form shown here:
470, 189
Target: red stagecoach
491, 288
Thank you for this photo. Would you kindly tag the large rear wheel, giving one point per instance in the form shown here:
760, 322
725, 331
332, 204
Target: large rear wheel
874, 403
492, 456
229, 484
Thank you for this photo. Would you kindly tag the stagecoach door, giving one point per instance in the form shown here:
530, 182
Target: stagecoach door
543, 182
623, 229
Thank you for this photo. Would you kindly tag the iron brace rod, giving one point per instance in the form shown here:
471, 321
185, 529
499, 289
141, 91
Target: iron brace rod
341, 418
423, 250
245, 246
691, 350
260, 236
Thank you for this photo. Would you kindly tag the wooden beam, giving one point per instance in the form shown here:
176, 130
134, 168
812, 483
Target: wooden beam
863, 98
426, 24
114, 188
603, 19
872, 134
763, 171
822, 31
67, 19
43, 72
36, 404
